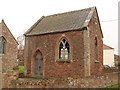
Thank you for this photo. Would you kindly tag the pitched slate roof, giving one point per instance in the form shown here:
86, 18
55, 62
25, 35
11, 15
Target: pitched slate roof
68, 21
107, 47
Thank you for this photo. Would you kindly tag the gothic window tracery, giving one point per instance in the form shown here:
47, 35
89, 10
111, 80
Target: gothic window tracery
64, 50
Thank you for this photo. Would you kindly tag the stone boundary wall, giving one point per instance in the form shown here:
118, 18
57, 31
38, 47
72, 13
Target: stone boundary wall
88, 82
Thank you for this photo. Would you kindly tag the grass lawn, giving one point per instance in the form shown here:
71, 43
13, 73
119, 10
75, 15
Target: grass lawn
114, 86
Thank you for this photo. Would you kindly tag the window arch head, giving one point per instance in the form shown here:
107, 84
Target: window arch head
64, 50
38, 54
2, 45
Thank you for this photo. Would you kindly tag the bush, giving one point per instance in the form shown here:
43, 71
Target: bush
21, 71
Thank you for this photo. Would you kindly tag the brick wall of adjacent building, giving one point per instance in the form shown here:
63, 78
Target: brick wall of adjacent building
0, 29
9, 57
0, 60
8, 77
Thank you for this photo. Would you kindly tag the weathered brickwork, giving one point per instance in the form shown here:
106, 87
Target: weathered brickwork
87, 82
48, 45
7, 78
9, 57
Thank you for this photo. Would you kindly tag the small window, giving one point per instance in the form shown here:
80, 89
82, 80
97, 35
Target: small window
96, 49
64, 50
2, 45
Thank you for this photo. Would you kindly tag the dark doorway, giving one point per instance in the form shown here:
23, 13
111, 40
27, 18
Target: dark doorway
38, 64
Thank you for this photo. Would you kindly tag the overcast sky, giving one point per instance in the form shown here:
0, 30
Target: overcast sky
20, 15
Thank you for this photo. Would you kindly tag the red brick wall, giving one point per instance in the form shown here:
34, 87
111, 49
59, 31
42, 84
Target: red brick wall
9, 58
47, 44
96, 67
0, 29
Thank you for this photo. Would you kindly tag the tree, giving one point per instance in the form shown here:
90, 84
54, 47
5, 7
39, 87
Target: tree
20, 51
21, 40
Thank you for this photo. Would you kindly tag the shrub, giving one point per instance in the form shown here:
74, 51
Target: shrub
21, 71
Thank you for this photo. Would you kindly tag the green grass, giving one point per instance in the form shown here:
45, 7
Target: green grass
114, 86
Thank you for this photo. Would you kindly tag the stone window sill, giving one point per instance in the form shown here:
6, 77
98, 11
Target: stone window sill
1, 54
63, 61
96, 61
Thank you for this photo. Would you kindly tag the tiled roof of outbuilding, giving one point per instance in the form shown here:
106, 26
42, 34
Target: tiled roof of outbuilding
107, 47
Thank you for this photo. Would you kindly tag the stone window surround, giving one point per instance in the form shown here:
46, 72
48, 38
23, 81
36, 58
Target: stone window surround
3, 42
96, 47
63, 36
66, 50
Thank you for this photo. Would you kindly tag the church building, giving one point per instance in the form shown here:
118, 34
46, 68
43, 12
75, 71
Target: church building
67, 44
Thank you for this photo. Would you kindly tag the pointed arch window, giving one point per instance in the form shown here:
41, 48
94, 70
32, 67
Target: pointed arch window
64, 50
2, 45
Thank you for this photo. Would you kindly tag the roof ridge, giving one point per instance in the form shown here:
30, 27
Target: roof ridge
68, 12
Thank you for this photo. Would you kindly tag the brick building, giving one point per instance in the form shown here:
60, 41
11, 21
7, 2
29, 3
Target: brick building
8, 52
65, 45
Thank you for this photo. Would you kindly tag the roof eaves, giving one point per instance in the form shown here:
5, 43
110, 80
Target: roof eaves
83, 28
33, 26
107, 47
